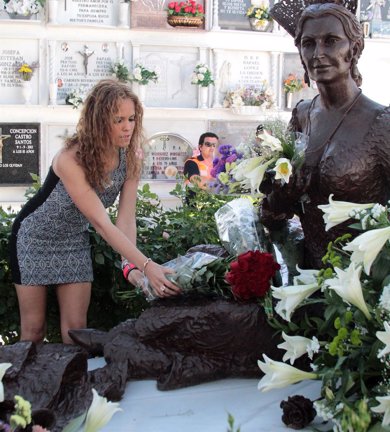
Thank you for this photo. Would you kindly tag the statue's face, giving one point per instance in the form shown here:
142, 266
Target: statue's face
325, 49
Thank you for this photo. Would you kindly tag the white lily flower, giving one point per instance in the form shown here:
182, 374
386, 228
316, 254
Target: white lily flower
337, 212
383, 407
283, 169
99, 413
278, 374
3, 368
270, 141
366, 247
305, 277
295, 346
251, 172
347, 285
384, 336
290, 297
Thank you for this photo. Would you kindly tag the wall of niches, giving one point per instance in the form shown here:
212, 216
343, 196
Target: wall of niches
76, 42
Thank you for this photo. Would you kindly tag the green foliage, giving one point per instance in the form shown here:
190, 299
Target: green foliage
231, 424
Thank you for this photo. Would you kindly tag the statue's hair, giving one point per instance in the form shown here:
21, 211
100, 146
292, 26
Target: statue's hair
93, 131
352, 29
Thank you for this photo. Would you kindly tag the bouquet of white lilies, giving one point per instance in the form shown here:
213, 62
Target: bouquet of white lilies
349, 341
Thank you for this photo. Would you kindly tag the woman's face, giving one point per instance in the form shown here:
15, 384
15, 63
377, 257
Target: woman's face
123, 124
325, 49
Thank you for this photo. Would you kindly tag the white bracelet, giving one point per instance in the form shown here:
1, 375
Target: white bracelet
145, 264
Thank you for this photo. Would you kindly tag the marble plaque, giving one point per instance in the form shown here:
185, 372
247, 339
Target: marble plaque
12, 53
232, 14
88, 12
80, 65
19, 153
239, 69
164, 156
174, 66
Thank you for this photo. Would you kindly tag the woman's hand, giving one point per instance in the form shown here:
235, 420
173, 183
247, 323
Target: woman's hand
155, 273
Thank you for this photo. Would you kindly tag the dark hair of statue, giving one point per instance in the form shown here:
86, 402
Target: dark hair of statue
352, 28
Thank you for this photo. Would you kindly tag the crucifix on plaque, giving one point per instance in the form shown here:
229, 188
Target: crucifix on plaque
86, 55
164, 139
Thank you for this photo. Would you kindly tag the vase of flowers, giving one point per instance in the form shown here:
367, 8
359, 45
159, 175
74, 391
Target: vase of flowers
185, 14
202, 77
142, 76
75, 98
120, 71
26, 72
292, 84
23, 9
259, 18
249, 100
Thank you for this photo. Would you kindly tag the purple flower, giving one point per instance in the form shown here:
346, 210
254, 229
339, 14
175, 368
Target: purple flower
232, 158
225, 149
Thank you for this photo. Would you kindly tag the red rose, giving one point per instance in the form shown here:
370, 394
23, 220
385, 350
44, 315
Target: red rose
172, 5
200, 9
188, 9
250, 274
177, 9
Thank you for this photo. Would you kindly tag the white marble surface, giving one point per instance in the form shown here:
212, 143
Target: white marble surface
204, 407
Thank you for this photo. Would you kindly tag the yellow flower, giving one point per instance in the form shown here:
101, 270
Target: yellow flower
25, 68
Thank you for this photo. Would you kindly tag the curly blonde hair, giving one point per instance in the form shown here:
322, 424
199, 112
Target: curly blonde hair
93, 132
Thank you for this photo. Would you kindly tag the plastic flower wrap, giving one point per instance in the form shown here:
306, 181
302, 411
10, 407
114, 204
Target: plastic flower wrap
347, 334
236, 223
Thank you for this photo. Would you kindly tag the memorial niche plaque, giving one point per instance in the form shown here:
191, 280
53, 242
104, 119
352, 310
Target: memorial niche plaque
165, 155
19, 153
88, 12
80, 65
232, 14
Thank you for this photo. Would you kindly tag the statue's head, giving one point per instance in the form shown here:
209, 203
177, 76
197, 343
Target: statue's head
350, 24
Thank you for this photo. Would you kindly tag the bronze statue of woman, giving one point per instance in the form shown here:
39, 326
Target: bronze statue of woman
348, 152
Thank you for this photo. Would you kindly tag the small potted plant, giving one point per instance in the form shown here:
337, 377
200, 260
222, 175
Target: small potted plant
187, 14
259, 18
23, 9
292, 84
26, 72
120, 71
202, 77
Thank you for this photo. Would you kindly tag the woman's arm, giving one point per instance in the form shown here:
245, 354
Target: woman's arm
87, 201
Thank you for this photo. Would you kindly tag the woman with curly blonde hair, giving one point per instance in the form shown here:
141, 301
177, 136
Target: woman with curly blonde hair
50, 242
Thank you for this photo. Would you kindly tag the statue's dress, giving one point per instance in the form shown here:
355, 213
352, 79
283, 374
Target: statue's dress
351, 170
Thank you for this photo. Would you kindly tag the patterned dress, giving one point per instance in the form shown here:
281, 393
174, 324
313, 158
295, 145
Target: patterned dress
50, 239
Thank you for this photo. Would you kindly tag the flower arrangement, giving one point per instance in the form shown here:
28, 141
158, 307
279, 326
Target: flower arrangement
26, 71
202, 75
142, 75
250, 96
244, 169
260, 13
17, 415
75, 97
120, 71
293, 84
23, 7
186, 9
351, 356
